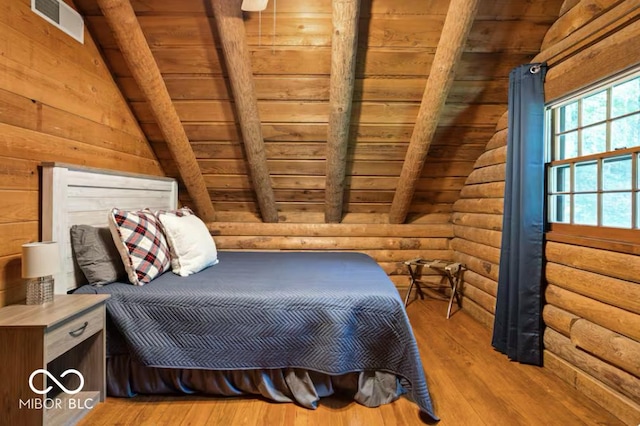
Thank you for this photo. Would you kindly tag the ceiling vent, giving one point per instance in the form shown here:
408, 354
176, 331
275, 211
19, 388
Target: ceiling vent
58, 13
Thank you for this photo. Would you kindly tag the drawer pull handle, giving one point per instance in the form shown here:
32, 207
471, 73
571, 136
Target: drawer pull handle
77, 332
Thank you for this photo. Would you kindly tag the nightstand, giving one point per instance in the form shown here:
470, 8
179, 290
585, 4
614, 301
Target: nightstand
39, 344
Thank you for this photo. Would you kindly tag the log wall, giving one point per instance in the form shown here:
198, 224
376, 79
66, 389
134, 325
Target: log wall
390, 245
58, 102
477, 227
592, 313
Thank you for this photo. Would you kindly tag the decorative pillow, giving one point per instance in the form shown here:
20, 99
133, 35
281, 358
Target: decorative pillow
192, 248
96, 254
141, 243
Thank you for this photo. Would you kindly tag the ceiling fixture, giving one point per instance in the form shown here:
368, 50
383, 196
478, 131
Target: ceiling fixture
254, 5
259, 6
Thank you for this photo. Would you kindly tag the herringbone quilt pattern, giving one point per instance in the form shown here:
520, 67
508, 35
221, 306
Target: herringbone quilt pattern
329, 312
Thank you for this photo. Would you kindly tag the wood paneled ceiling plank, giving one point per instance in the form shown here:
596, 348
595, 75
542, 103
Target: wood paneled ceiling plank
500, 9
458, 22
229, 22
303, 31
278, 88
343, 67
134, 47
297, 132
315, 62
273, 112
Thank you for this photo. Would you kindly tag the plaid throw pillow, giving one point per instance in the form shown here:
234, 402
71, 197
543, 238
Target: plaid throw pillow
141, 244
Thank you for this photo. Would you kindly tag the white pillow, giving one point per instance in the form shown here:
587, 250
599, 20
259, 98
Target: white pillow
192, 247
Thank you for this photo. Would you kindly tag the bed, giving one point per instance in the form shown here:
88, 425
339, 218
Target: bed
290, 326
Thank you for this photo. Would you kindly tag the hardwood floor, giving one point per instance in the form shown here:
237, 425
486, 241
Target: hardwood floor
470, 383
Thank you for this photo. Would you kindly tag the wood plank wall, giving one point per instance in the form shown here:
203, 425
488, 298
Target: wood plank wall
592, 312
58, 102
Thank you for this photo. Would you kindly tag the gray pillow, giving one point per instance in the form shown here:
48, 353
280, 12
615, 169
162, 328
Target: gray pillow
97, 255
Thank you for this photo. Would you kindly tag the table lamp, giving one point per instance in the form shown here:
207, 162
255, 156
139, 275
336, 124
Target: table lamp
39, 262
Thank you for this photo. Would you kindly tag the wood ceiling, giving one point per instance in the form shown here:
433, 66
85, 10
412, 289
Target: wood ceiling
291, 70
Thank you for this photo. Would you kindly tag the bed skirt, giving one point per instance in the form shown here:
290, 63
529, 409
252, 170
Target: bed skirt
127, 378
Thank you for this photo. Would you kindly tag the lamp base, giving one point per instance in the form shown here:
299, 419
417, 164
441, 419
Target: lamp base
40, 290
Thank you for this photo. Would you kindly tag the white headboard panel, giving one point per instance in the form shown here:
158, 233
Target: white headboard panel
74, 195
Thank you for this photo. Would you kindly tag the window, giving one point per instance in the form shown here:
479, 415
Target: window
593, 156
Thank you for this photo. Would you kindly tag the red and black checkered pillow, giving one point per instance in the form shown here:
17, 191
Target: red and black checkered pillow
141, 243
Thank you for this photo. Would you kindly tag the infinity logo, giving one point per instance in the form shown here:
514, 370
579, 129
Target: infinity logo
52, 377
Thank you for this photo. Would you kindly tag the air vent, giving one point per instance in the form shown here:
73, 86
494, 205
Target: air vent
58, 13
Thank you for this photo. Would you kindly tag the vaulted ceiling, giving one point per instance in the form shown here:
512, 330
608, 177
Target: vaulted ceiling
290, 51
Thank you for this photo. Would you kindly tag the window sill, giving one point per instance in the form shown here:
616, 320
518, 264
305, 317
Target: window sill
612, 239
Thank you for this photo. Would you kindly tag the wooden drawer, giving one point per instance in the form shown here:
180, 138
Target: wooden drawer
65, 336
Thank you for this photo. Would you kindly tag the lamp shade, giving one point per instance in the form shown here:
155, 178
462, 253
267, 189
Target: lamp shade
254, 5
40, 259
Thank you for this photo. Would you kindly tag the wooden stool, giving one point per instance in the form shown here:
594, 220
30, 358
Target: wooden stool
450, 270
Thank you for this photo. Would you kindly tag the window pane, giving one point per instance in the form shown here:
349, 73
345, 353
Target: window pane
586, 177
616, 173
560, 179
594, 140
625, 98
559, 208
585, 209
594, 108
568, 117
625, 132
567, 146
600, 190
616, 209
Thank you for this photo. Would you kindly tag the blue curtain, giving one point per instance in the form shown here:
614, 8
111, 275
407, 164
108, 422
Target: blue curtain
517, 331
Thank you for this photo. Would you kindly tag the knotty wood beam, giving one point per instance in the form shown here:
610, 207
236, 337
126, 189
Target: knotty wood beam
615, 378
231, 229
228, 17
623, 408
128, 34
567, 5
343, 66
456, 28
610, 346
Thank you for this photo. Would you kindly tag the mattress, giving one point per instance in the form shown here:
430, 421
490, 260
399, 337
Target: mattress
326, 312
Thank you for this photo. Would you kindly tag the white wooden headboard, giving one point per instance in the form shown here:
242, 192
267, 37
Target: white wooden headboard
74, 195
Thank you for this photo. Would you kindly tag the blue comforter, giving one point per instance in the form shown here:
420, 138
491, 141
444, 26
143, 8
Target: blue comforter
330, 312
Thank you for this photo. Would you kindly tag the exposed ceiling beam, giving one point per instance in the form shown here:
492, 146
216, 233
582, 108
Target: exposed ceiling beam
343, 67
128, 34
228, 17
567, 5
456, 29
